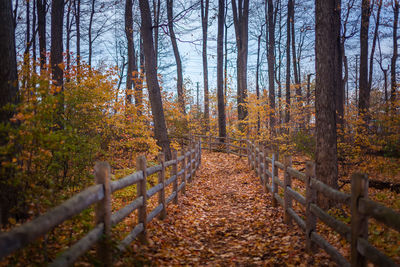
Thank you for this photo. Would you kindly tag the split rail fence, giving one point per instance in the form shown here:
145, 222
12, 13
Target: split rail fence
101, 193
361, 207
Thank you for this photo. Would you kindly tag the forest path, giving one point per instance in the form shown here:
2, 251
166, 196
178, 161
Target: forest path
225, 219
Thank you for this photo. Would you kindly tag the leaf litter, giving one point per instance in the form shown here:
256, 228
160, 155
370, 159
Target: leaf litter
225, 219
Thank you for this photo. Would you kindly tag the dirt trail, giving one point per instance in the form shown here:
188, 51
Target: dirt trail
225, 219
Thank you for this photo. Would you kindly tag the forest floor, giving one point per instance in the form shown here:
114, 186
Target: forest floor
224, 219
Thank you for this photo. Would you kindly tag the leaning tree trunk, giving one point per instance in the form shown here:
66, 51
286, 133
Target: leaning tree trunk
327, 52
220, 72
179, 83
160, 128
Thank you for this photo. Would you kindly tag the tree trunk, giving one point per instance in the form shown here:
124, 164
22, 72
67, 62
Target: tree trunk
179, 83
220, 71
371, 57
327, 52
240, 20
57, 15
160, 128
77, 11
204, 26
41, 15
364, 95
257, 76
9, 95
393, 84
92, 11
295, 69
130, 77
156, 9
287, 107
139, 84
271, 64
68, 26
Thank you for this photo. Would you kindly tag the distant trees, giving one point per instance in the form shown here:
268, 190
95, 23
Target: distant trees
328, 80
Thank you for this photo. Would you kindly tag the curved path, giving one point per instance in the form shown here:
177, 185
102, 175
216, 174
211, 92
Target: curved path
225, 219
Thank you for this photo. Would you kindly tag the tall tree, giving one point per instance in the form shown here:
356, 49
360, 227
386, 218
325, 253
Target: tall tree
288, 36
295, 59
393, 84
132, 68
56, 57
364, 96
92, 11
271, 62
204, 26
156, 11
179, 83
327, 53
220, 71
160, 128
41, 15
241, 22
8, 92
77, 13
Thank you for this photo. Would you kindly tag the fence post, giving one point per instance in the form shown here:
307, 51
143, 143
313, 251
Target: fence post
199, 152
161, 180
287, 183
141, 165
359, 221
190, 163
184, 167
102, 175
209, 144
275, 173
266, 167
174, 171
311, 198
248, 152
260, 161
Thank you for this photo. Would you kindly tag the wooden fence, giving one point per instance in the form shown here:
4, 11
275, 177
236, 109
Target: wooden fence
361, 207
101, 193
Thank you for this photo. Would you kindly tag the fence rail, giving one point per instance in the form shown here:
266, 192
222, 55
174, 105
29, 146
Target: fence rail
361, 207
101, 194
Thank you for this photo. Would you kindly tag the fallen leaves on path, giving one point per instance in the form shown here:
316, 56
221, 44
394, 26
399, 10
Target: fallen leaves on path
225, 219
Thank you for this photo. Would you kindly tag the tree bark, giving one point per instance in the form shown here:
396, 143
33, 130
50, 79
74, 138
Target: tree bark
132, 68
293, 40
179, 83
371, 57
92, 11
77, 12
204, 26
257, 76
156, 11
41, 15
220, 71
9, 95
271, 64
393, 84
241, 21
288, 36
327, 52
364, 95
160, 128
57, 15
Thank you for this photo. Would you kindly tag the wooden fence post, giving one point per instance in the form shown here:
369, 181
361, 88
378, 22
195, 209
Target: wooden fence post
266, 167
255, 159
209, 144
311, 198
359, 221
248, 152
275, 173
240, 148
174, 171
184, 171
161, 180
102, 173
199, 150
141, 165
190, 163
227, 144
260, 160
287, 183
